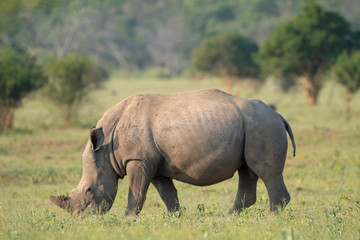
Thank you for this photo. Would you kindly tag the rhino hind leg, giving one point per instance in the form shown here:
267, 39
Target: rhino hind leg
246, 193
274, 182
269, 167
265, 154
278, 194
168, 193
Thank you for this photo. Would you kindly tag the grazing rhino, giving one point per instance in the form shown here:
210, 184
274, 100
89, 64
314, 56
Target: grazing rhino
201, 138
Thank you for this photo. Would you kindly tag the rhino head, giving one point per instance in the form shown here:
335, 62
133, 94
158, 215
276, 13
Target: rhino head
98, 185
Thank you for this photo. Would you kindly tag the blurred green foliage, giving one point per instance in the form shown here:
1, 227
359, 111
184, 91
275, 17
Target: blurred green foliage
70, 80
306, 44
305, 47
228, 56
347, 73
140, 34
19, 75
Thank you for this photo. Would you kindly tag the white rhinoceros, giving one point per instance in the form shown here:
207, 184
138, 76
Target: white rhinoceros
201, 138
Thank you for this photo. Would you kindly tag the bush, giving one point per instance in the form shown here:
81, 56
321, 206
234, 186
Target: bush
19, 75
227, 56
347, 73
70, 80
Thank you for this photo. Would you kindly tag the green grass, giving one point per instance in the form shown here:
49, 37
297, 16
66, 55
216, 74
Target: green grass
40, 158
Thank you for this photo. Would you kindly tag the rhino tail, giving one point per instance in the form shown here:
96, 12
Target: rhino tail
291, 135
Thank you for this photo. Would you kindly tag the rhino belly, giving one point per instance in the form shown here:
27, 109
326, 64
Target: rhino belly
200, 172
202, 156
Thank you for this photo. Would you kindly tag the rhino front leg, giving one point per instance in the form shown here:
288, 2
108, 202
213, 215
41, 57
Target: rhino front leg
246, 193
139, 180
168, 193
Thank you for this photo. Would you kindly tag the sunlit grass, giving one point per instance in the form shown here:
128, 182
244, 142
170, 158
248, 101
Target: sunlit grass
40, 157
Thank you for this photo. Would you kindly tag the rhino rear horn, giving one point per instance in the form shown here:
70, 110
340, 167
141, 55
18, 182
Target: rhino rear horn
59, 201
96, 138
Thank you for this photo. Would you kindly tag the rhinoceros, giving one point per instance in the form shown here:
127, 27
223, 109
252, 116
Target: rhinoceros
201, 137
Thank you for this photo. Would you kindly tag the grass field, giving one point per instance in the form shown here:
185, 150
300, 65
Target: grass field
39, 158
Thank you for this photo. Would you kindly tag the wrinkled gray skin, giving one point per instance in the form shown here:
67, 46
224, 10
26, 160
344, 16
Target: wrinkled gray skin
201, 138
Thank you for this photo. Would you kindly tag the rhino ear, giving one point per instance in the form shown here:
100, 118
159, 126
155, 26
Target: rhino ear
96, 138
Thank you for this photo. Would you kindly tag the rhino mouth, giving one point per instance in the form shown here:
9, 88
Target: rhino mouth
61, 201
67, 203
64, 202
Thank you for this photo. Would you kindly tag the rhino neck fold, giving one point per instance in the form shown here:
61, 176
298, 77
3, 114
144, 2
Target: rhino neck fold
117, 166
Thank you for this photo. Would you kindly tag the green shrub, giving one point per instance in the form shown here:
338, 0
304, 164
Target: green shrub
227, 56
70, 80
347, 73
19, 75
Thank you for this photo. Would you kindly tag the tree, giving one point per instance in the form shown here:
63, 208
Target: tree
305, 47
70, 80
227, 56
19, 75
347, 72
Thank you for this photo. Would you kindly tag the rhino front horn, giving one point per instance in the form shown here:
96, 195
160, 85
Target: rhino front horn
59, 201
